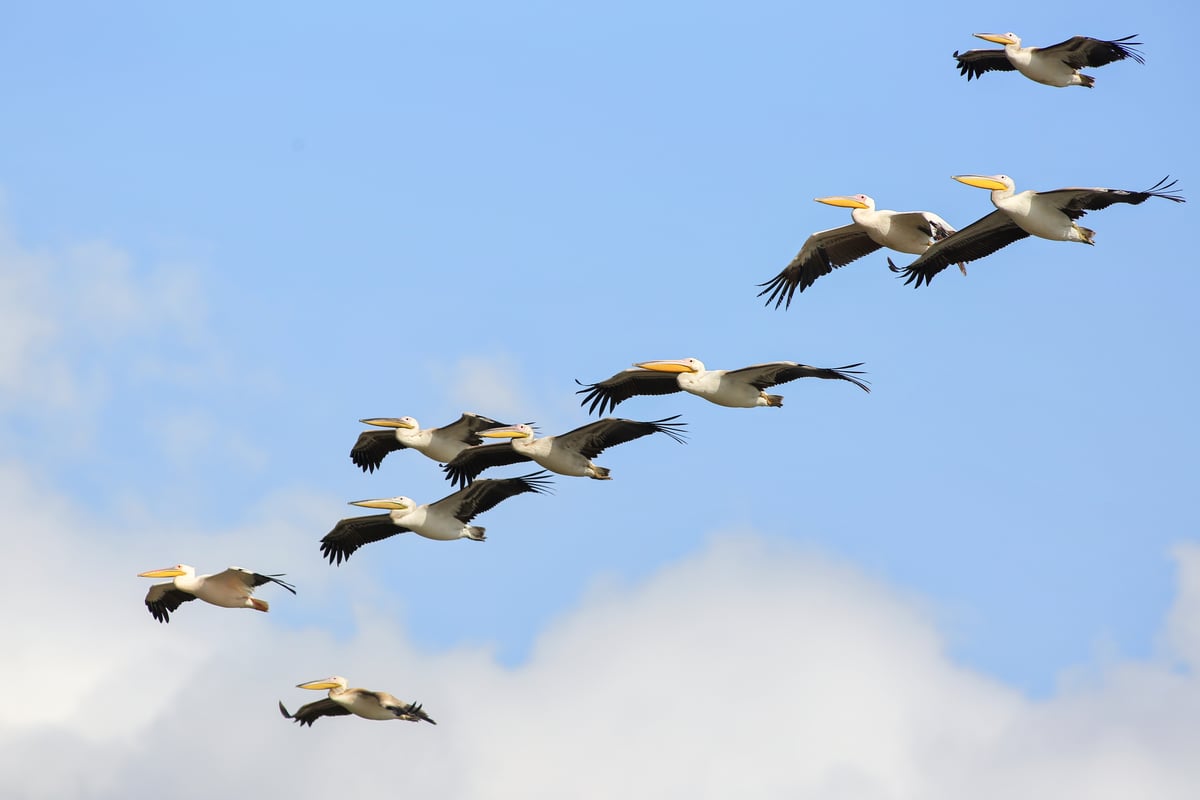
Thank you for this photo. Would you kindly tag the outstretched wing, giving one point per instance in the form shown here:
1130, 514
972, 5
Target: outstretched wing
593, 439
762, 376
237, 575
981, 238
465, 428
1084, 51
164, 598
605, 395
307, 714
466, 504
467, 465
822, 253
1076, 202
974, 63
372, 446
352, 533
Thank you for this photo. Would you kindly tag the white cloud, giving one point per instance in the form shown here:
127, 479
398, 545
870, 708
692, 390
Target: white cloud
750, 669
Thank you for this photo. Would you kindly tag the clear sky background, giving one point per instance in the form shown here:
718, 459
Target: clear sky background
226, 234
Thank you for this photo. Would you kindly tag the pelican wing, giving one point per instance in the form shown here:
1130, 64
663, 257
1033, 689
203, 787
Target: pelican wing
236, 575
926, 222
467, 465
164, 598
352, 533
822, 253
974, 63
981, 238
762, 376
465, 428
410, 711
465, 504
606, 394
307, 714
1084, 51
1077, 202
593, 439
372, 446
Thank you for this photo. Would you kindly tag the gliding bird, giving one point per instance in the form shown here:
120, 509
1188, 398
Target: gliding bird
733, 388
1056, 65
444, 520
360, 702
825, 251
1048, 215
568, 454
440, 444
233, 588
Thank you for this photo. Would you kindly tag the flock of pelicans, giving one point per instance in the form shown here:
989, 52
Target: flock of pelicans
460, 448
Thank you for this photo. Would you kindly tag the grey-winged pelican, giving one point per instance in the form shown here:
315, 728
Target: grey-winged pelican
233, 588
1048, 215
570, 453
440, 444
824, 251
1056, 65
360, 702
734, 388
444, 520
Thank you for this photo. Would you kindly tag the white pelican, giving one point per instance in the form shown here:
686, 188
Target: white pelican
825, 251
360, 702
233, 588
1049, 215
440, 444
734, 388
1056, 65
445, 520
568, 454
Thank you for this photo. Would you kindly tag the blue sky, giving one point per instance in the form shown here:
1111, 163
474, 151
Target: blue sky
227, 235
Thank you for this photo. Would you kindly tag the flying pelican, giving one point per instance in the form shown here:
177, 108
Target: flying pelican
734, 388
232, 588
360, 702
825, 251
568, 454
440, 444
1056, 65
1049, 215
444, 520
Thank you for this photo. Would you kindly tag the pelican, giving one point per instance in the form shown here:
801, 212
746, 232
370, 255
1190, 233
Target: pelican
1056, 65
440, 444
360, 702
733, 388
232, 588
568, 454
825, 251
1049, 215
445, 520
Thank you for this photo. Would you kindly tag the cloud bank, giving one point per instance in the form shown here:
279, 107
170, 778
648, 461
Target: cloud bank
750, 668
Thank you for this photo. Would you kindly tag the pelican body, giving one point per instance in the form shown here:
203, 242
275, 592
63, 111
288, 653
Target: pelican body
1056, 65
233, 588
440, 444
568, 454
343, 701
1047, 215
824, 251
734, 388
445, 520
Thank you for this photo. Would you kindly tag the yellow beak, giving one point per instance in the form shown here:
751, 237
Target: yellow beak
391, 505
676, 365
980, 182
997, 38
841, 202
386, 422
168, 572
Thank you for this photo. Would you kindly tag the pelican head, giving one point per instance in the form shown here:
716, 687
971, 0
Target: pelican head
847, 201
388, 503
177, 571
522, 431
997, 183
332, 682
408, 423
673, 365
1000, 38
